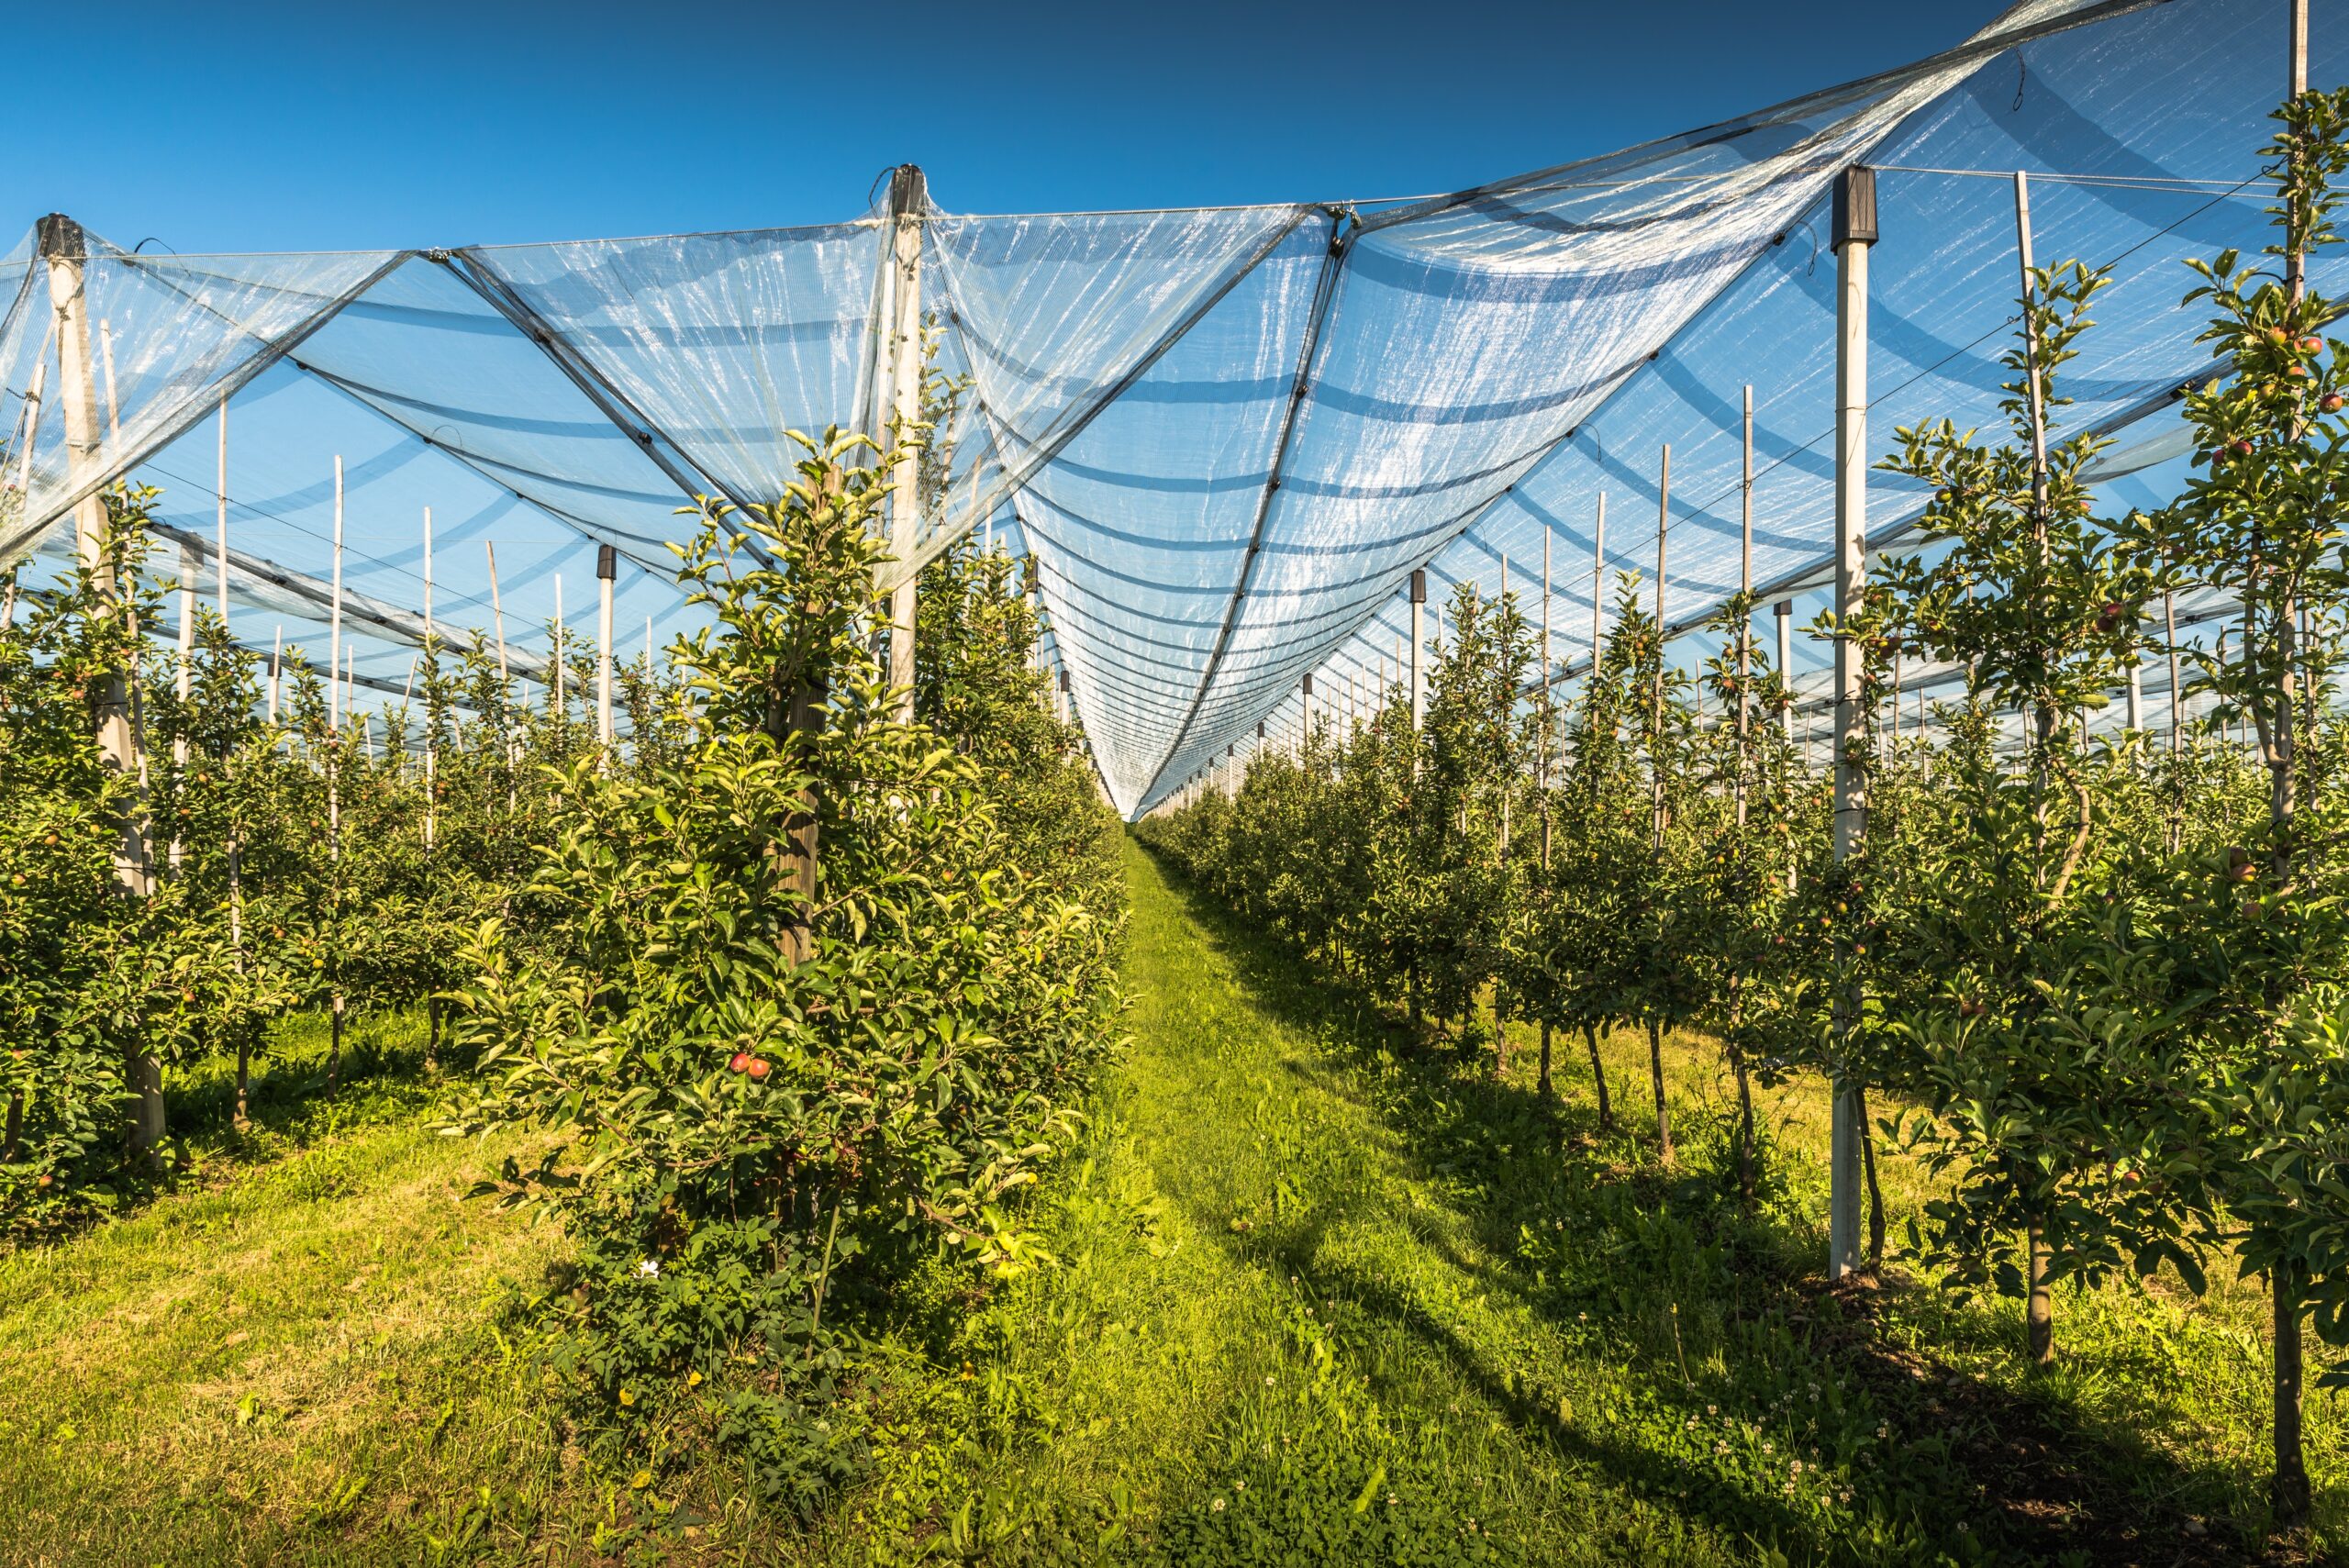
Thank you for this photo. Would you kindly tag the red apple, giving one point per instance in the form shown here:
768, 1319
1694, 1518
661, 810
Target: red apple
759, 1068
740, 1063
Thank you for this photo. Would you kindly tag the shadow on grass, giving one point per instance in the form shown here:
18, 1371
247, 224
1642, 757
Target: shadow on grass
1695, 1314
292, 1105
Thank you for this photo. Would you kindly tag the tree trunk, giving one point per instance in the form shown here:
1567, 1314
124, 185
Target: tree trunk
1655, 1076
2289, 1497
1599, 1077
2039, 1315
1541, 1083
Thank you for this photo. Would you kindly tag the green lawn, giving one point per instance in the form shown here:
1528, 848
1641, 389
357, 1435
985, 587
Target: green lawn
1318, 1299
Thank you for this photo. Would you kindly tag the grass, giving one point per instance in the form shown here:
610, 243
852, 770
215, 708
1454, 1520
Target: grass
1320, 1296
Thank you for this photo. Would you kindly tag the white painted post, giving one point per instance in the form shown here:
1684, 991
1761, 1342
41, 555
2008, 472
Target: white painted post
2169, 626
1854, 230
1784, 613
1655, 710
2136, 695
908, 196
1598, 586
607, 569
432, 668
1419, 651
334, 608
561, 711
114, 409
220, 561
1744, 585
185, 685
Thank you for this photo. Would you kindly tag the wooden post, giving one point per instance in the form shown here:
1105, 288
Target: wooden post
908, 196
607, 569
64, 253
1855, 231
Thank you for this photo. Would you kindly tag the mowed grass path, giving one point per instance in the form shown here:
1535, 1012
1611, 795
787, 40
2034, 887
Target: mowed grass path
1318, 1295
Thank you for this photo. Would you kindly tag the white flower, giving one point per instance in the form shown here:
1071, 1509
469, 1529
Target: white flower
649, 1269
1240, 1485
1390, 1499
1268, 1380
1883, 1430
1789, 1488
1796, 1469
1720, 1447
1768, 1448
1215, 1506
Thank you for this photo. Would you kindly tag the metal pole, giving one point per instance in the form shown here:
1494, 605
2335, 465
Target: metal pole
1855, 231
908, 196
2033, 383
607, 568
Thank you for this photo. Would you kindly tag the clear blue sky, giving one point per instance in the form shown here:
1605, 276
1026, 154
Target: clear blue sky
331, 125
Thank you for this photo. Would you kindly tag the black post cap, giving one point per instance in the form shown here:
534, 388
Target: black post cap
1419, 587
1855, 220
608, 563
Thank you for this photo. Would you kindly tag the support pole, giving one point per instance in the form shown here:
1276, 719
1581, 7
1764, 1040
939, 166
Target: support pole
1744, 587
908, 196
2295, 65
1598, 586
1855, 231
561, 712
1783, 612
431, 674
184, 685
1419, 654
2176, 712
65, 251
1656, 706
607, 568
276, 670
220, 494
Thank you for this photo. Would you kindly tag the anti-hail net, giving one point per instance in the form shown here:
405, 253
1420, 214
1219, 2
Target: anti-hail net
1227, 436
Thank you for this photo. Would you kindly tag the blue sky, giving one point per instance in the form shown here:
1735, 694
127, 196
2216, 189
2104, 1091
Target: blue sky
254, 127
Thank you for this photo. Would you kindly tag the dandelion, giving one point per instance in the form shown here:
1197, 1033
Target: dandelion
649, 1269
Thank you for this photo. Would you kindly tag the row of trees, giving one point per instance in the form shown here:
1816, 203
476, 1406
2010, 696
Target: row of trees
2103, 987
793, 991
